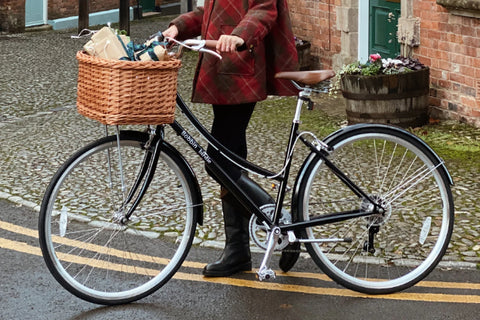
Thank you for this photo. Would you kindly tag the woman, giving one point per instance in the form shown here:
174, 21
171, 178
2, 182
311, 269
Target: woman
233, 85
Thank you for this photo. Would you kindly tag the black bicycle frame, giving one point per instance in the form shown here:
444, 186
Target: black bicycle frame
227, 181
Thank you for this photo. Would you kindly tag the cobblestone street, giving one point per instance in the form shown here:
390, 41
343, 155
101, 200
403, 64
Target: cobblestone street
40, 129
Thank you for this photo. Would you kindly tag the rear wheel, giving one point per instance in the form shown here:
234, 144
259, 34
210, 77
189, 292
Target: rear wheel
388, 252
86, 242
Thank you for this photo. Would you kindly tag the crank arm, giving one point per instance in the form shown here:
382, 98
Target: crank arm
266, 273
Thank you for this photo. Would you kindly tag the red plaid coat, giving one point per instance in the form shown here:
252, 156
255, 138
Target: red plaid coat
245, 76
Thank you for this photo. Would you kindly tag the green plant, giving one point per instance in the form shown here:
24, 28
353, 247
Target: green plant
377, 66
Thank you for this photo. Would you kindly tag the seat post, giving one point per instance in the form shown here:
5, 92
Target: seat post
303, 95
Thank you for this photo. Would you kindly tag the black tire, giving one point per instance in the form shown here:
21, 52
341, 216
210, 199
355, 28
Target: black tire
87, 249
408, 179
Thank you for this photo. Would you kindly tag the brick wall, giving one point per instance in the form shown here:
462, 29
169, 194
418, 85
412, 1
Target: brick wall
12, 15
314, 21
12, 12
67, 8
450, 45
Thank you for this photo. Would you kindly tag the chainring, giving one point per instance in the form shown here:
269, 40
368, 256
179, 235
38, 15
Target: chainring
259, 233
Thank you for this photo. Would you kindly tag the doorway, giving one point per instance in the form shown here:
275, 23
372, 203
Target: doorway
383, 26
35, 12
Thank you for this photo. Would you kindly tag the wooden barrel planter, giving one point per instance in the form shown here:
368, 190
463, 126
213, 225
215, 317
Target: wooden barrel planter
400, 99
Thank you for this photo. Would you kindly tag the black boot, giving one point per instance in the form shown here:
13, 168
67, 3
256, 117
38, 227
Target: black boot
254, 191
289, 256
236, 256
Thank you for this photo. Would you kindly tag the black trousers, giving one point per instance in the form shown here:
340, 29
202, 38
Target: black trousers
229, 128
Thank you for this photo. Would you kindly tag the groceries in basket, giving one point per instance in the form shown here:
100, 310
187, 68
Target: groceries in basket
108, 44
123, 83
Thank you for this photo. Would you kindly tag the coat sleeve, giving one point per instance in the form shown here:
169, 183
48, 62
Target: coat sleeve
189, 24
258, 21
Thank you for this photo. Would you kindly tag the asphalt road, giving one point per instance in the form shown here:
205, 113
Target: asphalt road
28, 291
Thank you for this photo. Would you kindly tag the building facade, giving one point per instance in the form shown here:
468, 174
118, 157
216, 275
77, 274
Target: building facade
16, 15
442, 34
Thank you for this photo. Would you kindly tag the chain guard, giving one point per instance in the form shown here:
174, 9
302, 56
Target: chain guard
259, 233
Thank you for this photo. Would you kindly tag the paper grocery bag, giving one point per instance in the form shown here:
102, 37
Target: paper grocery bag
106, 44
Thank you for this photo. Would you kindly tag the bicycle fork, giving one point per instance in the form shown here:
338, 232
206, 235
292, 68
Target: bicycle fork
144, 177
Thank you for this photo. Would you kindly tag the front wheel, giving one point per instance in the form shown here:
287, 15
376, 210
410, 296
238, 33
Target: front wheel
87, 244
384, 252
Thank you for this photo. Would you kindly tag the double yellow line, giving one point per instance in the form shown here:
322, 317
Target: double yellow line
407, 296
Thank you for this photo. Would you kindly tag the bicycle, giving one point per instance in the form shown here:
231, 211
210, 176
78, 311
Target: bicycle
371, 203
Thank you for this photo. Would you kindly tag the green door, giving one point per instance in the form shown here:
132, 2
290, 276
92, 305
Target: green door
383, 39
147, 5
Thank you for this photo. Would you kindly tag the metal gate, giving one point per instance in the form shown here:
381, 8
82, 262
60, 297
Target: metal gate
35, 12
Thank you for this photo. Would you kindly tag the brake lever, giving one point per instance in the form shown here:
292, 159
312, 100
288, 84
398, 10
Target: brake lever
157, 36
195, 45
216, 54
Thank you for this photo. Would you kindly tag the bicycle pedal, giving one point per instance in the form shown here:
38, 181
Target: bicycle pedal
266, 274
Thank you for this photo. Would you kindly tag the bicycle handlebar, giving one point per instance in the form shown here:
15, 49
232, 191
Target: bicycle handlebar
192, 44
198, 45
207, 46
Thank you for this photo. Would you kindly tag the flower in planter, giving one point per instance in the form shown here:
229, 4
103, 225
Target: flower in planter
376, 65
375, 56
388, 91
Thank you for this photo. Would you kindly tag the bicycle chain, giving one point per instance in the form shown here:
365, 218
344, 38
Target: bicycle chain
294, 251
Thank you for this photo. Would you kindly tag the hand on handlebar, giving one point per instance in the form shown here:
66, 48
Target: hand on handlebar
228, 43
171, 32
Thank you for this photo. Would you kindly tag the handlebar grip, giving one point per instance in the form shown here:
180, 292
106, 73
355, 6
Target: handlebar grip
212, 45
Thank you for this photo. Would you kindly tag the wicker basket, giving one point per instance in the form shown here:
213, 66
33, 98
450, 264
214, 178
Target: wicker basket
127, 92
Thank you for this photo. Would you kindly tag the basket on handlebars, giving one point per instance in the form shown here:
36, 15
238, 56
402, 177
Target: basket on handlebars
127, 92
